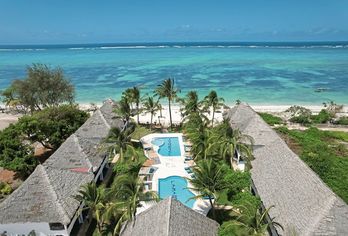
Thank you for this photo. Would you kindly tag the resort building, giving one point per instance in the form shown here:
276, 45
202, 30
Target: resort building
304, 204
170, 217
45, 202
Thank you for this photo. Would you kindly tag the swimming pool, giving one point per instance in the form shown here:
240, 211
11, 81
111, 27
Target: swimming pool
168, 146
175, 186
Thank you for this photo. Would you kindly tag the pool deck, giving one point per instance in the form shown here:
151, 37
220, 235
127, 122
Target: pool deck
170, 166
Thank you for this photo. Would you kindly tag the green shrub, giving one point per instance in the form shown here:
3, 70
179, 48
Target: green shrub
322, 152
127, 167
15, 155
343, 120
244, 198
271, 119
237, 181
228, 229
5, 189
323, 117
53, 125
301, 119
140, 131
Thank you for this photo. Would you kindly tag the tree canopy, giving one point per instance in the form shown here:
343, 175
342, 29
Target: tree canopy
16, 155
53, 125
167, 89
50, 127
43, 87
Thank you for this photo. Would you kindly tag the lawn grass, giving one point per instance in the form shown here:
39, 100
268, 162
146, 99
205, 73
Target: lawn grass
325, 152
140, 131
271, 119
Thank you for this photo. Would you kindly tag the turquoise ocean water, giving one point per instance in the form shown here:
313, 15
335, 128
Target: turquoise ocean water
258, 73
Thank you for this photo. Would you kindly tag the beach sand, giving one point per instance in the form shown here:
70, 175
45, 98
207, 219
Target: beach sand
7, 119
176, 115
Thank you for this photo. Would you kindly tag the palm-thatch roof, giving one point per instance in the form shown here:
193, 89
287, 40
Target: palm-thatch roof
48, 193
170, 217
303, 202
46, 196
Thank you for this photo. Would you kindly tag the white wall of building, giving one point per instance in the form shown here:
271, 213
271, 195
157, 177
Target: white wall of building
41, 229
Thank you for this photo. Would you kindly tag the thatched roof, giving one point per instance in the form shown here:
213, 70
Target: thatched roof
303, 203
82, 149
170, 218
47, 195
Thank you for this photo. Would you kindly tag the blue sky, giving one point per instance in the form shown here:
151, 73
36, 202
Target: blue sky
92, 21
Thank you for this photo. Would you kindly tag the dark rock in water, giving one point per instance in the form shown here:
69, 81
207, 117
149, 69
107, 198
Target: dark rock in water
319, 90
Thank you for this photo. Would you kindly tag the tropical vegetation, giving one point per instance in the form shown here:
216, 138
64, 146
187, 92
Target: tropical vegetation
52, 126
112, 205
43, 87
208, 181
304, 116
271, 119
325, 152
48, 95
248, 220
132, 96
168, 90
213, 102
152, 106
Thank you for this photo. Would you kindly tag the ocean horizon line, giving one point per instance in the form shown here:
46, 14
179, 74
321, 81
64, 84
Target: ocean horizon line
141, 45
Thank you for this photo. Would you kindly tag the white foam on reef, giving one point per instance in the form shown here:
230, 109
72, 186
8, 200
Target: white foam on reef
21, 49
181, 46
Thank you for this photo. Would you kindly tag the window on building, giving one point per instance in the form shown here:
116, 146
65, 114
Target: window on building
56, 226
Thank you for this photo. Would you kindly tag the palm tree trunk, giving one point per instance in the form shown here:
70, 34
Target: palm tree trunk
212, 120
231, 156
121, 154
137, 107
159, 119
170, 115
212, 208
151, 121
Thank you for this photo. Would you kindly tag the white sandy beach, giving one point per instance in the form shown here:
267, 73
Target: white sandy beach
7, 119
176, 115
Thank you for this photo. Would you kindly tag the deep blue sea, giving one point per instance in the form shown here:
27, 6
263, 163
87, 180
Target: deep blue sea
258, 73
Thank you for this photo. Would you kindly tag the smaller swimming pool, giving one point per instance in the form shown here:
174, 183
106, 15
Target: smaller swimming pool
168, 146
176, 186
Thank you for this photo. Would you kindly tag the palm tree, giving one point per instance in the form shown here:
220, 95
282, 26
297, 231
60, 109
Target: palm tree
130, 190
251, 221
120, 141
214, 102
235, 144
94, 199
124, 110
200, 142
132, 95
191, 104
209, 181
199, 134
167, 90
151, 106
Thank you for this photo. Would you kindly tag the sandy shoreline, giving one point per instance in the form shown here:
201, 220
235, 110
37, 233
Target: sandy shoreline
7, 119
256, 107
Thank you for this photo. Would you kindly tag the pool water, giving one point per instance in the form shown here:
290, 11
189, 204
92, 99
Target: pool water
168, 146
176, 186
